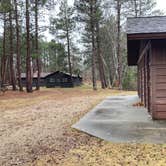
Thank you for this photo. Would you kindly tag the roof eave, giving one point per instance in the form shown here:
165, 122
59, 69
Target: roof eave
142, 36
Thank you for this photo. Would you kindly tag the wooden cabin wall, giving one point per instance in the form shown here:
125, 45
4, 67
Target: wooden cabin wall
62, 80
141, 75
144, 74
158, 72
58, 80
152, 79
34, 82
148, 61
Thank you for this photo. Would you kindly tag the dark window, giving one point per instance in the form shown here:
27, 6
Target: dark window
58, 80
64, 80
52, 80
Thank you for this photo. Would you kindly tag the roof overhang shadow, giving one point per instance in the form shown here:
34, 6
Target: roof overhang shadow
133, 47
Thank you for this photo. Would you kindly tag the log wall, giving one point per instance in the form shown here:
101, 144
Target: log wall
152, 79
159, 79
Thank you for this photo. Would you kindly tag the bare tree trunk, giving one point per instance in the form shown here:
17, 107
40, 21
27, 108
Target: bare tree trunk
68, 52
140, 8
4, 58
93, 47
119, 56
7, 71
18, 47
100, 61
12, 71
37, 46
28, 57
135, 8
68, 44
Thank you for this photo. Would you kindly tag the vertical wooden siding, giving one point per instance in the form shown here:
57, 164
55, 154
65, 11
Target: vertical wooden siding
159, 79
144, 75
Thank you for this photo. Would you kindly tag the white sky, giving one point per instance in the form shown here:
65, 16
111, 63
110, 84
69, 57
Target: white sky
161, 4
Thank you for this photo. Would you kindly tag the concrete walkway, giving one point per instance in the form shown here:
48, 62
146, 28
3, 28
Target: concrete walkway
116, 120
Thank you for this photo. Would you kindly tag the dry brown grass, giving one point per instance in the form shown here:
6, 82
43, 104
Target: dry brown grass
108, 154
13, 100
35, 129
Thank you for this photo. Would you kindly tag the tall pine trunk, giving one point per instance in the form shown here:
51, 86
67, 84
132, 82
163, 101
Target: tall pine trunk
140, 8
93, 45
68, 43
18, 47
135, 8
37, 46
100, 61
28, 56
68, 52
12, 71
4, 57
119, 56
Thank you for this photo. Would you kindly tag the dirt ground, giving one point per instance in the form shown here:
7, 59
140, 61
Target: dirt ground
35, 130
39, 124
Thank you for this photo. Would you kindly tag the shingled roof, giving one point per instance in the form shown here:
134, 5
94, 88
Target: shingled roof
146, 25
42, 75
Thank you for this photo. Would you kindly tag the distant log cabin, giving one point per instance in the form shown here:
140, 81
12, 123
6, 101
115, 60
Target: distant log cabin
146, 39
34, 79
54, 79
61, 79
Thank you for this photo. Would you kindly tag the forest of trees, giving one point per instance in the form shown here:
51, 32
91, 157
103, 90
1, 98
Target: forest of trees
88, 38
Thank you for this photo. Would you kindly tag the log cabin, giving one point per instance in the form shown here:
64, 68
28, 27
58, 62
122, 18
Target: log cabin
146, 42
61, 79
54, 79
34, 79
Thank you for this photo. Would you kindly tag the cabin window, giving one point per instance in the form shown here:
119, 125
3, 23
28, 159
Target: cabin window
64, 80
52, 80
58, 80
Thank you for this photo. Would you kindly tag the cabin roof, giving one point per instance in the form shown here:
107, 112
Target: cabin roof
53, 73
42, 75
63, 73
143, 28
141, 25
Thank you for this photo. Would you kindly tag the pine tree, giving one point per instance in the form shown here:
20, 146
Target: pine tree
37, 5
18, 45
139, 8
12, 71
37, 44
4, 10
87, 15
4, 56
136, 8
98, 18
64, 26
28, 56
119, 54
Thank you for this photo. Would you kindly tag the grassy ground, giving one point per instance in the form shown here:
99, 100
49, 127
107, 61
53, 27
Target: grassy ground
39, 124
12, 100
35, 130
108, 154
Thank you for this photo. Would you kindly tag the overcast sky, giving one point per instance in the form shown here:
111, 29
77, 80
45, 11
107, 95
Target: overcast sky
161, 4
